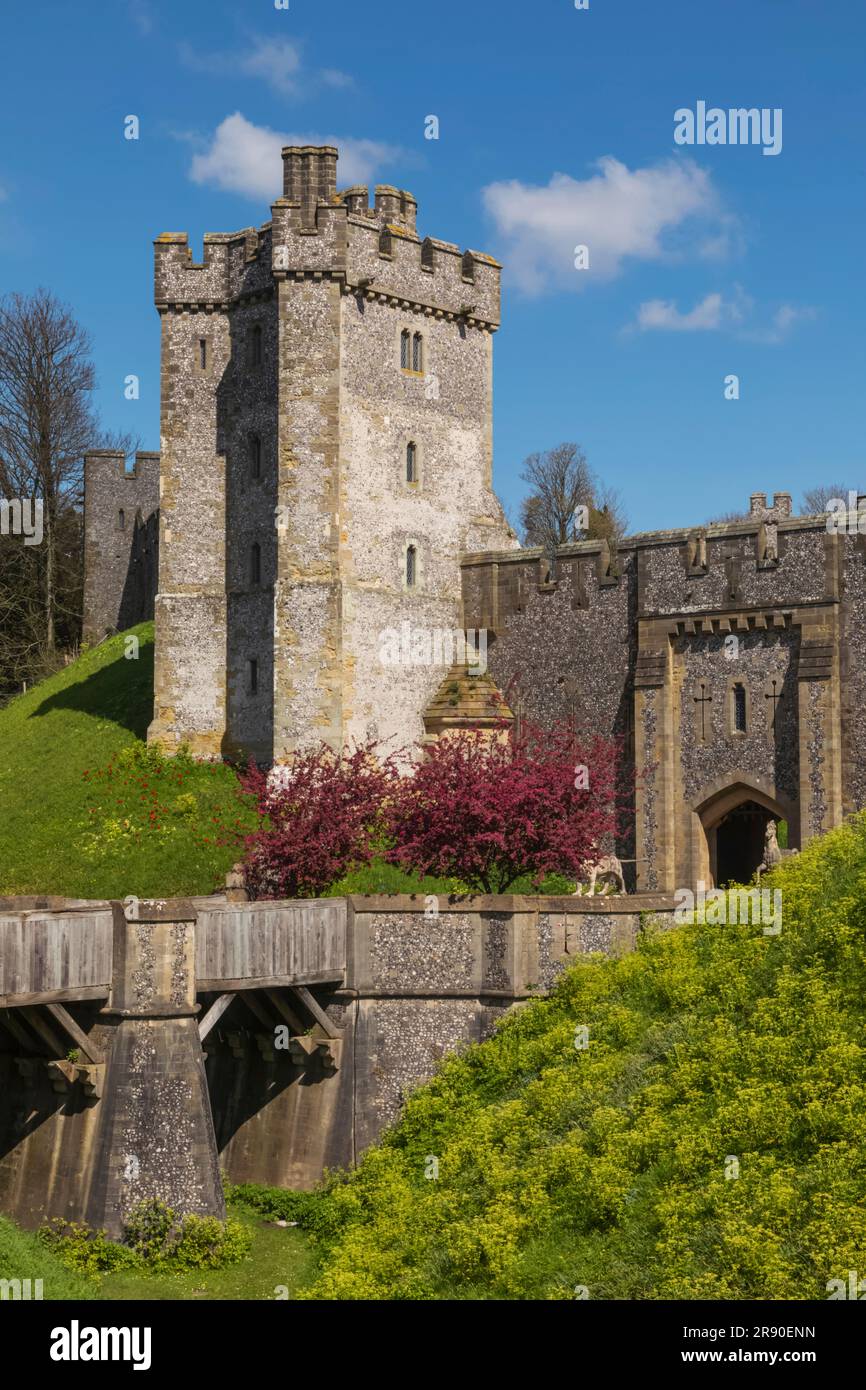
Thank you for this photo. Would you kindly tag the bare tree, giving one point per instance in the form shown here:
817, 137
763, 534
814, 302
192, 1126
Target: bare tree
560, 482
47, 421
815, 499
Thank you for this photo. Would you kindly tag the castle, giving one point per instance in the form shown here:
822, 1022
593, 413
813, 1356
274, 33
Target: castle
325, 477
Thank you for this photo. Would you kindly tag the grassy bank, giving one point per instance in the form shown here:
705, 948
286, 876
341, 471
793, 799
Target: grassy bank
705, 1138
85, 811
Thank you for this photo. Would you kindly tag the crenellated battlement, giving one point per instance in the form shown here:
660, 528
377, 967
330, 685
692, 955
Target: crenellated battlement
720, 567
317, 232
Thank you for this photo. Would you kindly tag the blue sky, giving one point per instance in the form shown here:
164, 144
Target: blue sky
556, 128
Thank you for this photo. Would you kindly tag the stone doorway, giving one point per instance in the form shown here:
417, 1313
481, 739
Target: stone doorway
739, 843
727, 828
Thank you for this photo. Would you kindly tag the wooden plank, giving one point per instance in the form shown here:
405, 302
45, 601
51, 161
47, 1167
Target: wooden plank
312, 1006
213, 1015
67, 1022
314, 977
54, 996
284, 1011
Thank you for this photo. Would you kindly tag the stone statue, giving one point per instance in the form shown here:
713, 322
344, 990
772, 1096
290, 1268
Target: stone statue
773, 853
608, 868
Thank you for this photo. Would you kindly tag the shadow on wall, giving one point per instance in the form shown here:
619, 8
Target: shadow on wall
121, 692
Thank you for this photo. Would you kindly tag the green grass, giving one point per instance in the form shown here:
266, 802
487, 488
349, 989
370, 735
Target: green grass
279, 1257
77, 787
708, 1143
23, 1256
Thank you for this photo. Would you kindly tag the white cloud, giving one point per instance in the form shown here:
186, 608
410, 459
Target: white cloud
141, 16
711, 313
246, 158
715, 313
782, 324
276, 62
618, 213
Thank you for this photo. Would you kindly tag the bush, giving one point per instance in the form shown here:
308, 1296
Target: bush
275, 1203
490, 811
318, 819
162, 1239
154, 1237
79, 1247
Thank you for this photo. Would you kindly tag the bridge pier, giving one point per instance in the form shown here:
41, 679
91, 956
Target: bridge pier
157, 1134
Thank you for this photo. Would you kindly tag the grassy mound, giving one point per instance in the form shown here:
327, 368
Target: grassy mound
708, 1143
87, 810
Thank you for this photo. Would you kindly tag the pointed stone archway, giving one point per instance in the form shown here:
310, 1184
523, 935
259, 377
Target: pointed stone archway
728, 823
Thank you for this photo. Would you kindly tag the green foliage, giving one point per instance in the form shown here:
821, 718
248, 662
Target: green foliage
155, 1238
610, 1165
82, 1249
105, 815
275, 1203
161, 1238
24, 1255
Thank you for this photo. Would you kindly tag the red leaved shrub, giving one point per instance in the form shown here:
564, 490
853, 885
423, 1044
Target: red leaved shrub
487, 811
319, 818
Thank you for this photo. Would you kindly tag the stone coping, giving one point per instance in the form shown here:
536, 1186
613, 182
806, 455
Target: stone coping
602, 904
373, 902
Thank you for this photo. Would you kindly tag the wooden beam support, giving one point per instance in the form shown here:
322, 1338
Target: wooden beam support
213, 1015
21, 1036
284, 1011
78, 1036
312, 1006
257, 1010
45, 1032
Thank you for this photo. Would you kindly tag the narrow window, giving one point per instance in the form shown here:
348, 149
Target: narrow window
404, 349
384, 242
427, 262
253, 675
256, 564
202, 353
468, 266
417, 356
256, 346
256, 456
739, 693
121, 519
411, 566
411, 464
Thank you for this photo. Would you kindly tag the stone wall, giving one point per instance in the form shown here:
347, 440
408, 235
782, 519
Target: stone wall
648, 644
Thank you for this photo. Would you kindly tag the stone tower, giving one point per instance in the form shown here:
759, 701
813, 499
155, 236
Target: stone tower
120, 541
326, 457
